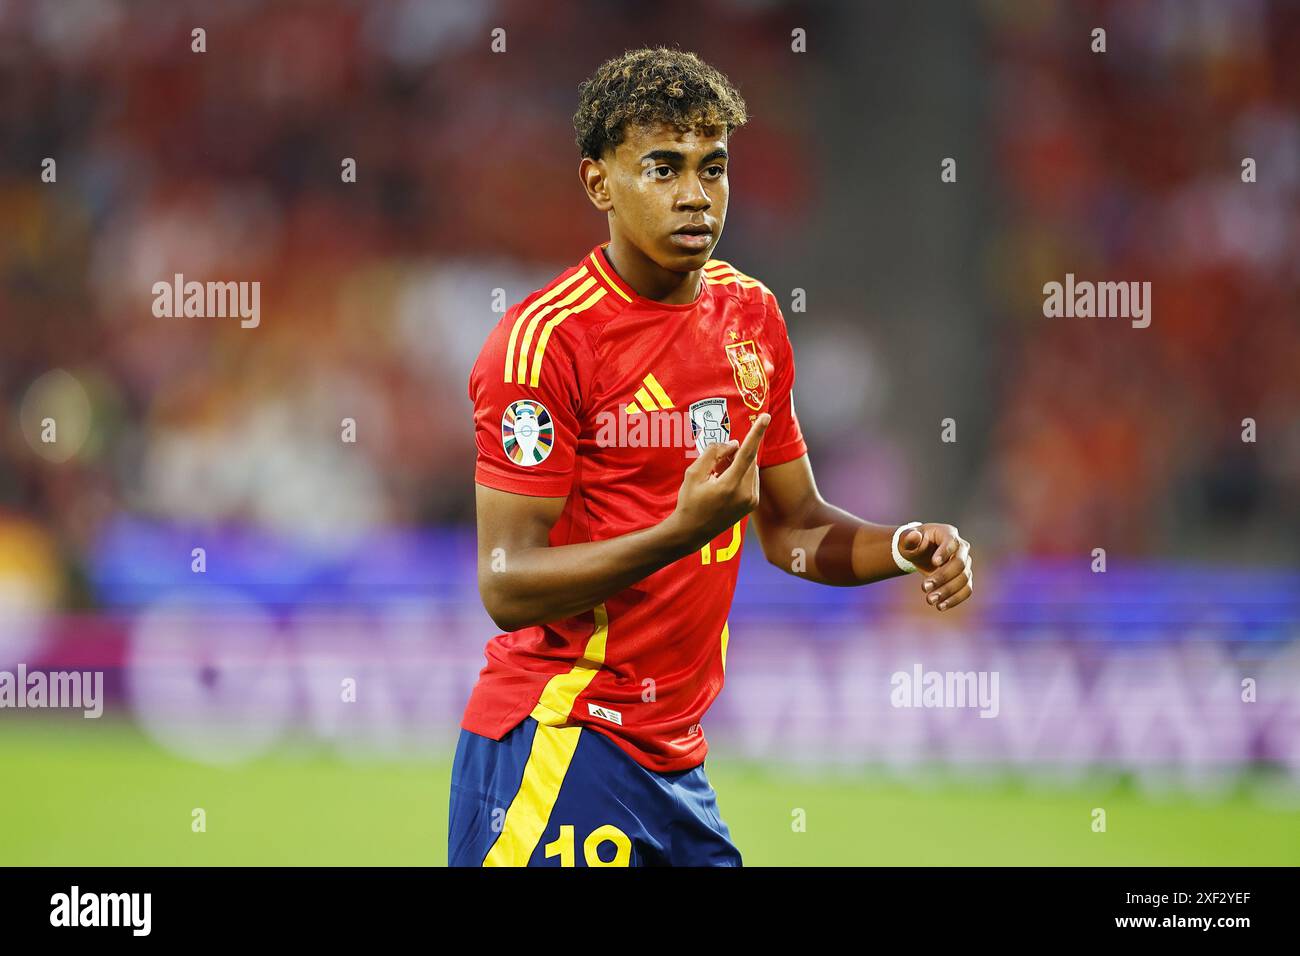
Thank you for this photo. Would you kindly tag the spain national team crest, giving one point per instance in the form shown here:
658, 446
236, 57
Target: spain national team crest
748, 369
527, 432
710, 422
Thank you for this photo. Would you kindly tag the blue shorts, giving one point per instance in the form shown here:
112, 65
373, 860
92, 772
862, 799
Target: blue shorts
569, 796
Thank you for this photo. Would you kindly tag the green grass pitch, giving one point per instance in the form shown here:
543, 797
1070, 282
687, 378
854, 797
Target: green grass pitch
106, 795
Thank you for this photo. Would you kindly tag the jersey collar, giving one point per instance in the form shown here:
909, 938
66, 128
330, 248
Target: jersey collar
605, 274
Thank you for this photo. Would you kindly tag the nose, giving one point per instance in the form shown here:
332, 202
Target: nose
691, 194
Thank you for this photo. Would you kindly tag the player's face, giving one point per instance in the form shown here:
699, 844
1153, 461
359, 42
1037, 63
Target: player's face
668, 192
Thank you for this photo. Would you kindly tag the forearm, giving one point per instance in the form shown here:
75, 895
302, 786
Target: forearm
831, 546
533, 585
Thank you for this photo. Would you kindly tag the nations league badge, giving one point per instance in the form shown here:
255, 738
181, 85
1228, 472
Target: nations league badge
527, 432
709, 422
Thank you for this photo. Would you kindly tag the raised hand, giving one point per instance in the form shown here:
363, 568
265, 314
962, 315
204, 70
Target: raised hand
721, 486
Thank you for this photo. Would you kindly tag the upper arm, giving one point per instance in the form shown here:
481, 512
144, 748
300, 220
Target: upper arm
508, 524
787, 494
787, 491
512, 522
527, 395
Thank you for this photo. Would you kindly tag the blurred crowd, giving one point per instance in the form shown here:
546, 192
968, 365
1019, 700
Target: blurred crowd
229, 165
376, 294
1128, 165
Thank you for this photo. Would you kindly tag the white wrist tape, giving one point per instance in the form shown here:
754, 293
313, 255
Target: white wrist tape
904, 565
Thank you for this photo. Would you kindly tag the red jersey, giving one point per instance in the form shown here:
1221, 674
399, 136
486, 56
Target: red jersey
588, 390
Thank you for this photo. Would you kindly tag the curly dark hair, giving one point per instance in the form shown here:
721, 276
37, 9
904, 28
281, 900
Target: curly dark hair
649, 86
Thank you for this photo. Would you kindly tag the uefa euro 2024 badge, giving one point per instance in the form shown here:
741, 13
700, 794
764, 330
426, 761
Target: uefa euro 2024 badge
527, 432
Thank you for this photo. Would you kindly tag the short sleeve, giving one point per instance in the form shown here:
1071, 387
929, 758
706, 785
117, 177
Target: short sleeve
526, 413
784, 440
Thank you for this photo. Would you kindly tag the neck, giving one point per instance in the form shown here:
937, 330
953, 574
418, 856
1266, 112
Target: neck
649, 279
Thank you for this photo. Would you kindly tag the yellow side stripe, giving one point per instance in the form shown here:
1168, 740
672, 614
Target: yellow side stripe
540, 301
595, 261
552, 752
531, 330
726, 636
657, 390
530, 810
546, 331
556, 701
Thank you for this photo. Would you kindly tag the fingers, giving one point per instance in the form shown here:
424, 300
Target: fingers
916, 542
748, 452
944, 542
917, 545
949, 581
750, 480
725, 456
961, 579
946, 546
711, 456
947, 604
936, 579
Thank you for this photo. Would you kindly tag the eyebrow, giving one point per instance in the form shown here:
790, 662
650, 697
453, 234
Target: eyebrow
673, 156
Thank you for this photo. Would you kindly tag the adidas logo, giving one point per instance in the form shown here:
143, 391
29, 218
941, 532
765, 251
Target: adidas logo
651, 420
650, 397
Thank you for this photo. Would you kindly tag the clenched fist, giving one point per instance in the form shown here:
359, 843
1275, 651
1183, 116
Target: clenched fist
942, 555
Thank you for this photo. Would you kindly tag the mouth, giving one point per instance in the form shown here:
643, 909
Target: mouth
693, 236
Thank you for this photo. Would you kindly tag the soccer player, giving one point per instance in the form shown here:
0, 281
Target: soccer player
630, 417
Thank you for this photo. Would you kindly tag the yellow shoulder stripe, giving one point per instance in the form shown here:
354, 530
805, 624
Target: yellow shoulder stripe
542, 313
547, 329
540, 301
717, 272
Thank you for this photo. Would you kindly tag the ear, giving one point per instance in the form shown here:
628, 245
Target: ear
594, 178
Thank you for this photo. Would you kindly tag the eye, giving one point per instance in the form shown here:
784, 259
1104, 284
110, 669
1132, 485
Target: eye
662, 171
715, 171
